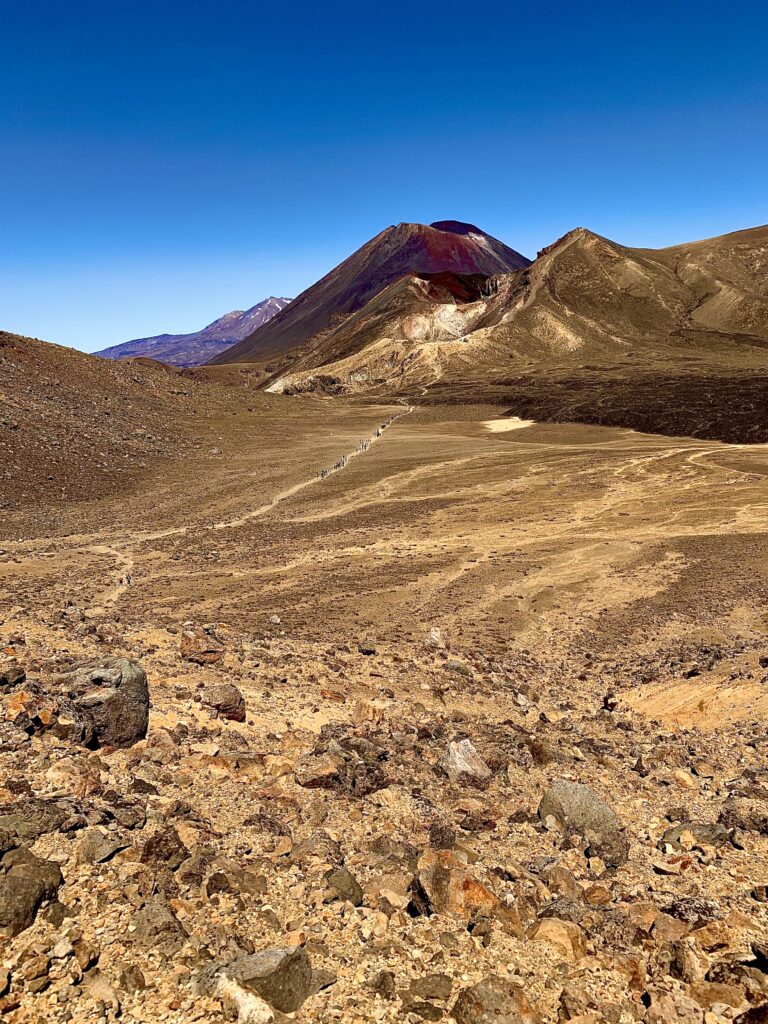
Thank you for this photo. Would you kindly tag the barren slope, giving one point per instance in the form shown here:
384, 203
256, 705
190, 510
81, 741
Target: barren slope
673, 340
74, 426
398, 250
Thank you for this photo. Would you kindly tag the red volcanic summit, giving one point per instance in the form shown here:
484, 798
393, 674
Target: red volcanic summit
458, 227
446, 246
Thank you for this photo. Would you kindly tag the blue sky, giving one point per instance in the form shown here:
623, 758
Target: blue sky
165, 162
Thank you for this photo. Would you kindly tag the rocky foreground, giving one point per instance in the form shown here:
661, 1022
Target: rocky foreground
202, 825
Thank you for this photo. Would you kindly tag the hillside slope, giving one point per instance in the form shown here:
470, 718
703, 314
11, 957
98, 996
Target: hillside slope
393, 253
73, 426
584, 297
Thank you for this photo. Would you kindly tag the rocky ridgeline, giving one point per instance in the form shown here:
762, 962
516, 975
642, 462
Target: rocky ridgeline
446, 841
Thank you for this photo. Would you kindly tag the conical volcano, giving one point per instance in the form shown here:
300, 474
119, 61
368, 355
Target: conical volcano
393, 253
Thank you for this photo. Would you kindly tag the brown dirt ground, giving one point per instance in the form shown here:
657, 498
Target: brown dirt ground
555, 538
574, 559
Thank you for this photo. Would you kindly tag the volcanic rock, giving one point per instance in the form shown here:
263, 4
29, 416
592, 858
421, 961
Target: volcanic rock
114, 696
579, 809
11, 676
281, 976
29, 818
165, 848
201, 647
462, 764
157, 927
566, 936
747, 815
96, 845
96, 705
443, 886
345, 885
26, 882
690, 834
226, 699
493, 1000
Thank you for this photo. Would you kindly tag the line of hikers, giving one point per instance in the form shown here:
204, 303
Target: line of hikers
362, 446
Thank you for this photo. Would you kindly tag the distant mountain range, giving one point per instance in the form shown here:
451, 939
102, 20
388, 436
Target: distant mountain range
403, 249
201, 346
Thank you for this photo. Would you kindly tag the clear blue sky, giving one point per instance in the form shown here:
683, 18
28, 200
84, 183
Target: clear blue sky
165, 162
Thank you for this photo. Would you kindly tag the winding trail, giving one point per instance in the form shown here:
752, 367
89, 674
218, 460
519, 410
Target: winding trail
341, 463
538, 532
124, 554
111, 595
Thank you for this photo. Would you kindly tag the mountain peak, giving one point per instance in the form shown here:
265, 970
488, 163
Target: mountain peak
200, 346
579, 234
456, 227
400, 250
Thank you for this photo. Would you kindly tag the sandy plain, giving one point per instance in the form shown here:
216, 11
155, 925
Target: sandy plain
554, 537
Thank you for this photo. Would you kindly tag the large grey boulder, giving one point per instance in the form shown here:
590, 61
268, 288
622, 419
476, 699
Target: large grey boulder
282, 976
577, 807
96, 705
113, 699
